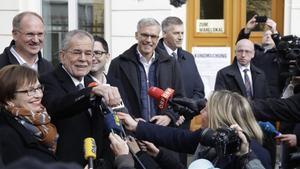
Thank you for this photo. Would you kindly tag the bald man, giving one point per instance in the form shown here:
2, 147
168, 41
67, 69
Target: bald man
241, 76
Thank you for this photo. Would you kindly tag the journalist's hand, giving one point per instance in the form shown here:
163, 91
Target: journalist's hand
180, 120
133, 145
289, 139
162, 120
149, 147
244, 149
110, 94
128, 121
272, 24
118, 145
250, 25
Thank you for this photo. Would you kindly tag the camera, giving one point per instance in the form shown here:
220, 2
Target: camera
289, 56
225, 141
261, 19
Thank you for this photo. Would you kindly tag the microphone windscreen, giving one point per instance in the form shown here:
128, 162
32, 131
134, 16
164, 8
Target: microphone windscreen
201, 163
268, 128
93, 84
155, 92
90, 148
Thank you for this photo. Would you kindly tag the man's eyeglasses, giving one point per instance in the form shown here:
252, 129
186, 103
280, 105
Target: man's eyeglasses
30, 35
33, 91
78, 52
246, 51
99, 54
146, 36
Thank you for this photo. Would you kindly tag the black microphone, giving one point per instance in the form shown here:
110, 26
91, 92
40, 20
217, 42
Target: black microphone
111, 120
185, 106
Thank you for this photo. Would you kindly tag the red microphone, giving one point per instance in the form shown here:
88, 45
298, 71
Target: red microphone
162, 96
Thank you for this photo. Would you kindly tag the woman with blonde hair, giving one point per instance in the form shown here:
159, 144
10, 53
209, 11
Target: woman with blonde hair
238, 111
223, 109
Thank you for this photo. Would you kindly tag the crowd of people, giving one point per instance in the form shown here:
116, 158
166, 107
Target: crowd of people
46, 112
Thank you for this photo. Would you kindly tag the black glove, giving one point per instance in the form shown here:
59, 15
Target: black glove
188, 107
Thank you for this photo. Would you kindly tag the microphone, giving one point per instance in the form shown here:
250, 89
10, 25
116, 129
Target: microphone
269, 128
162, 96
90, 149
111, 120
183, 105
201, 163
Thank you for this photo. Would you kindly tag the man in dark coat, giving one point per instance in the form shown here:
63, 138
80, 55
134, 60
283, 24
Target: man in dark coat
67, 97
173, 32
143, 66
266, 55
233, 77
28, 40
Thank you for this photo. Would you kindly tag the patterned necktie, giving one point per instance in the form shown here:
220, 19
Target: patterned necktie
80, 86
174, 54
247, 84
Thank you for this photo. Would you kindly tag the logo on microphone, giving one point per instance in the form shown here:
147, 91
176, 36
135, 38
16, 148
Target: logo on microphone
165, 97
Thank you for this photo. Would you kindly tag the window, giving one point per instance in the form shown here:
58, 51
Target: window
55, 13
211, 16
261, 8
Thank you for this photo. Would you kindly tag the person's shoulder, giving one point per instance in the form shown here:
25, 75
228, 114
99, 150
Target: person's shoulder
257, 70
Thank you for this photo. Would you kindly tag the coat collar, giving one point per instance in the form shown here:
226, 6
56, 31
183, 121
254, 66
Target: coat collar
179, 50
12, 59
66, 81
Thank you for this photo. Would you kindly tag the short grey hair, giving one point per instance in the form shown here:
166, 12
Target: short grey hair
73, 33
171, 20
18, 18
145, 22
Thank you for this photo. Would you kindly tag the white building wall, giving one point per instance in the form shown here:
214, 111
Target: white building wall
291, 17
125, 15
8, 9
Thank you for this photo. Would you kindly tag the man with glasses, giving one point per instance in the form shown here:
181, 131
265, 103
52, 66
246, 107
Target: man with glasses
142, 66
68, 96
28, 40
242, 76
101, 57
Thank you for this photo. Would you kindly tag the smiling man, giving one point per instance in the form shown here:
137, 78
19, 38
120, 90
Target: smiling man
28, 40
68, 97
143, 66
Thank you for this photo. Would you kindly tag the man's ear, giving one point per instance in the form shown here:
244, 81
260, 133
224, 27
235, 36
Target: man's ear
62, 55
14, 34
136, 35
164, 34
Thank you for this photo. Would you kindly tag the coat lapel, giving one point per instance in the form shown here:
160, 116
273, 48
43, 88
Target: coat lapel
238, 78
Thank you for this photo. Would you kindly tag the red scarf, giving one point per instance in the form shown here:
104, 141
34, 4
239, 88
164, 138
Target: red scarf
41, 121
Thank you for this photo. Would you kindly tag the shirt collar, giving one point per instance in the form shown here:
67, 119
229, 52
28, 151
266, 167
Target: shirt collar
22, 61
143, 59
75, 81
169, 50
242, 68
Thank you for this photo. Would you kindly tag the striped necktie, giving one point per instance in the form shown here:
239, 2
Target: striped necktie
247, 84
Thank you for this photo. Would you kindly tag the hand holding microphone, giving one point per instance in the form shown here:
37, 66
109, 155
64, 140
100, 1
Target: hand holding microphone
128, 121
110, 94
